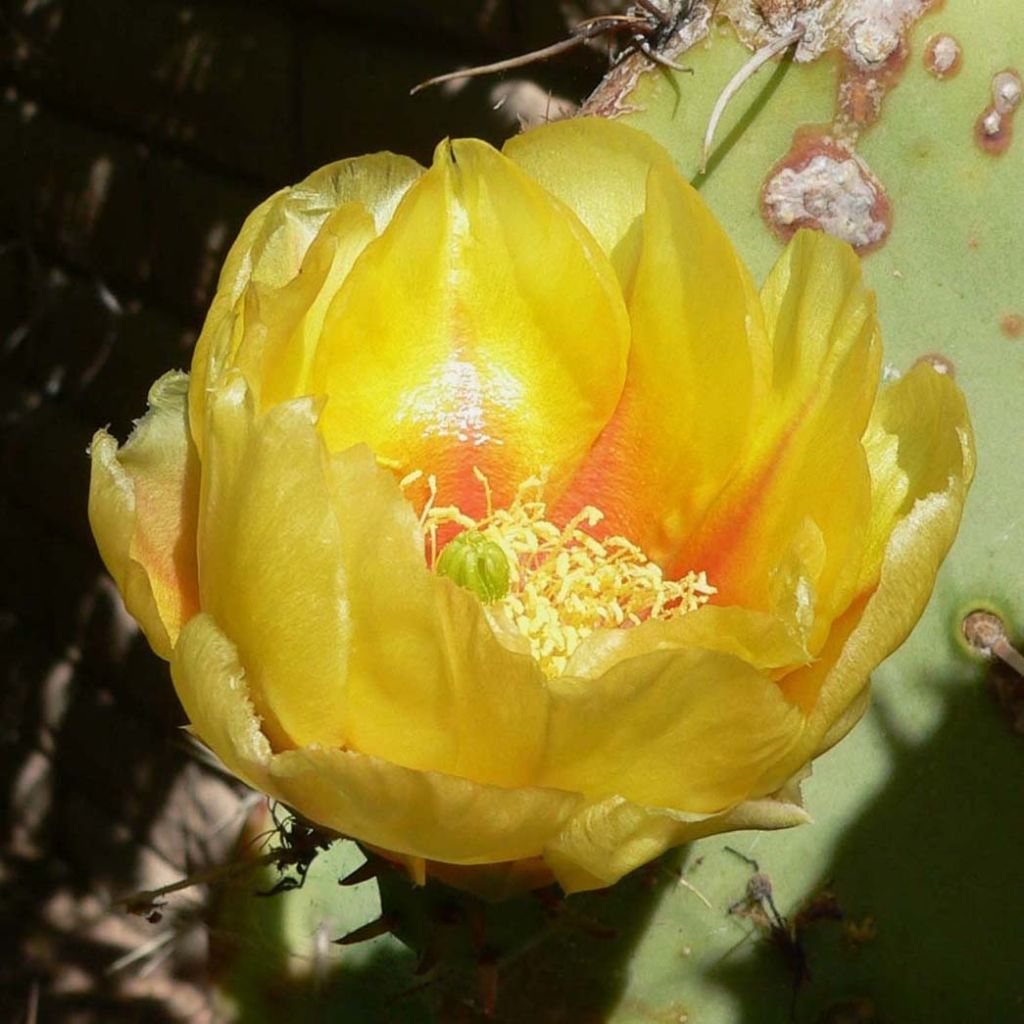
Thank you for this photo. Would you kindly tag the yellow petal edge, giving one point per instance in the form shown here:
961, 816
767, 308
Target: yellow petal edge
143, 502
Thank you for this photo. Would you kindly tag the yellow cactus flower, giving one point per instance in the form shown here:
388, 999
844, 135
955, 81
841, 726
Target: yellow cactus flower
503, 524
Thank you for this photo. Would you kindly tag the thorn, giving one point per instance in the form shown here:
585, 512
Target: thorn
371, 930
737, 82
742, 856
581, 33
145, 902
652, 55
427, 961
657, 12
686, 884
363, 873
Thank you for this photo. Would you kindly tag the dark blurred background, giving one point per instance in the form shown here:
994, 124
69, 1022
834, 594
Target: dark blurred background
136, 135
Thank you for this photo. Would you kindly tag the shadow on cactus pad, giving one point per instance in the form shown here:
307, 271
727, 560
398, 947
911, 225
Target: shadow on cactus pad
924, 880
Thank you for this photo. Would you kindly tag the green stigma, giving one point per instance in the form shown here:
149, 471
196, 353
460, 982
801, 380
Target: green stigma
478, 564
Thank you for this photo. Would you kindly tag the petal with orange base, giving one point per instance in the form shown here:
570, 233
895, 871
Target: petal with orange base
453, 343
429, 684
802, 493
697, 378
142, 508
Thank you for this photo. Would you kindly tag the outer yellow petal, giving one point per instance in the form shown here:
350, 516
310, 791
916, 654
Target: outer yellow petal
376, 182
423, 814
429, 684
923, 462
453, 344
142, 508
273, 244
693, 730
918, 440
436, 816
270, 564
802, 496
599, 169
419, 814
697, 377
290, 342
607, 840
275, 329
213, 688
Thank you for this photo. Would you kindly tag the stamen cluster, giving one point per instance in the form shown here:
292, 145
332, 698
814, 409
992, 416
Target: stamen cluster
564, 582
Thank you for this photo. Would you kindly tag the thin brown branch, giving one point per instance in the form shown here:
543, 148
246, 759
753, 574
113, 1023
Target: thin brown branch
502, 65
146, 900
580, 33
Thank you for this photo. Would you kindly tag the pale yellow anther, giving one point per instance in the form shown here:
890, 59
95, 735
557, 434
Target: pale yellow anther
563, 582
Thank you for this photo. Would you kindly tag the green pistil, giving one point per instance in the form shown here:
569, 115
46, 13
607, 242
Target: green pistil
478, 564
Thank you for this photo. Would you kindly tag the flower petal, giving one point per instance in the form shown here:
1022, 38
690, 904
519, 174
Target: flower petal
273, 244
919, 442
606, 840
429, 685
281, 327
142, 508
599, 169
692, 730
270, 564
805, 478
213, 688
762, 640
376, 182
422, 814
452, 345
418, 814
922, 462
697, 377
